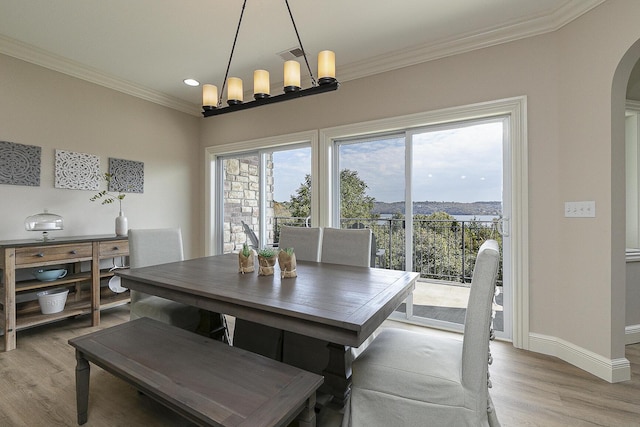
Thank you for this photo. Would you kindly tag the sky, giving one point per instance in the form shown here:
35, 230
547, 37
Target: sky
449, 165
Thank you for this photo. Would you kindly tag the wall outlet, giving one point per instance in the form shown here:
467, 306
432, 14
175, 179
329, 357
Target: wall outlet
580, 209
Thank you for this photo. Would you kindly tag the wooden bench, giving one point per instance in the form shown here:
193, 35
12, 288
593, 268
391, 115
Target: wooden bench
204, 380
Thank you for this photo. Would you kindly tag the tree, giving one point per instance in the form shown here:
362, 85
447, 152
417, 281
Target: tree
300, 204
354, 202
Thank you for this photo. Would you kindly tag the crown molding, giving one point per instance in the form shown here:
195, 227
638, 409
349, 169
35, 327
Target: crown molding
37, 56
527, 27
380, 64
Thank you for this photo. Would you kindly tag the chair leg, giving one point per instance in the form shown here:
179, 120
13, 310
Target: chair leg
219, 330
213, 325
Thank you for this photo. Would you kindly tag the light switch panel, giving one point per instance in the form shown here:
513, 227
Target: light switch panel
585, 209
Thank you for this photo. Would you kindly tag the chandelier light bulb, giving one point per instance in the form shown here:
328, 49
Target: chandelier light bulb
291, 76
234, 91
209, 96
326, 67
261, 85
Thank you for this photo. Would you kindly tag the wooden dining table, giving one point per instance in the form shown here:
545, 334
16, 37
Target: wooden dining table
340, 304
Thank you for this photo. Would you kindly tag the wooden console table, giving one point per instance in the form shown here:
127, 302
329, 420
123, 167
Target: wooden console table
69, 252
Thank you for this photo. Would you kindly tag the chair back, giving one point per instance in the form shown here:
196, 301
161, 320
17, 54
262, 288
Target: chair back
251, 235
304, 240
154, 246
346, 246
477, 323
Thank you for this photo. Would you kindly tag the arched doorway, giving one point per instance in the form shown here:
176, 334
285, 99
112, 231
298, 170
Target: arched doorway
618, 196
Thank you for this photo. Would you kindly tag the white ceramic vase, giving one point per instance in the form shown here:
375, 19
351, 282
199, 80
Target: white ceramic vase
122, 227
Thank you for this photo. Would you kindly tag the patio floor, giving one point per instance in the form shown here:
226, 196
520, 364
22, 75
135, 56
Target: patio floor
442, 295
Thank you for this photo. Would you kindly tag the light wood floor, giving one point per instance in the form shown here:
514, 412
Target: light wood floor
37, 387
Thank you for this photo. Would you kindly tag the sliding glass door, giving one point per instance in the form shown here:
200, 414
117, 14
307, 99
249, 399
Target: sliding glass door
431, 197
371, 189
456, 204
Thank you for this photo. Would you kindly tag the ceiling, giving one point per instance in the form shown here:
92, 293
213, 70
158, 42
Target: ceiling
148, 47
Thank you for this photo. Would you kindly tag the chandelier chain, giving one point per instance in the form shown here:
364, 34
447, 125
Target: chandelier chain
233, 48
304, 53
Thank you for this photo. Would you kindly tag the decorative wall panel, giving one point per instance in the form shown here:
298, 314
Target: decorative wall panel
127, 176
20, 164
77, 171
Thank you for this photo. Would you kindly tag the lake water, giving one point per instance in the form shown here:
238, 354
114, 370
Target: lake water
459, 217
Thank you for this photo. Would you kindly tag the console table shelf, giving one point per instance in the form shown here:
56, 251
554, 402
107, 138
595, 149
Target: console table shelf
86, 295
29, 285
71, 309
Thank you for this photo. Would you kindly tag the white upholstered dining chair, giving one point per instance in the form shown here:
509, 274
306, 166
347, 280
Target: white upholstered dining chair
339, 246
415, 378
305, 241
346, 246
160, 246
263, 339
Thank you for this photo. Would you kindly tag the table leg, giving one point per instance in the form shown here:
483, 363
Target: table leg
82, 387
337, 375
307, 418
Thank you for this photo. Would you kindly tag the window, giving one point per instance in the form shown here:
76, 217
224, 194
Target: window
251, 187
449, 180
508, 117
325, 161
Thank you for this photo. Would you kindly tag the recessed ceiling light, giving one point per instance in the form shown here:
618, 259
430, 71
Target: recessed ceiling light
191, 82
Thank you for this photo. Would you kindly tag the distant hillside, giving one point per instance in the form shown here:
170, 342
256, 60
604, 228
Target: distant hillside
452, 208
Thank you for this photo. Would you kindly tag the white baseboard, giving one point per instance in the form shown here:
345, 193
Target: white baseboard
632, 334
611, 370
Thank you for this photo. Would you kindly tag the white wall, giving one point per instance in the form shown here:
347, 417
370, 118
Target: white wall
54, 111
576, 266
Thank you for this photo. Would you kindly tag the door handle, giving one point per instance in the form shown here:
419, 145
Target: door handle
503, 227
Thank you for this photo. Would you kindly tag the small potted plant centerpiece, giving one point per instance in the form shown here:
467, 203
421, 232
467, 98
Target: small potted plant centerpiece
246, 260
266, 261
287, 261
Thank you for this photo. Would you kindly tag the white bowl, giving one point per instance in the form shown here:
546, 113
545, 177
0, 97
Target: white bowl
50, 275
52, 300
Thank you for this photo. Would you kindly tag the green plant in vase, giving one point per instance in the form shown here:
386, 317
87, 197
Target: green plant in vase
288, 251
106, 198
267, 257
287, 261
246, 260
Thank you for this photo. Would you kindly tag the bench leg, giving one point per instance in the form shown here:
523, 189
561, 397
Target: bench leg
307, 418
82, 387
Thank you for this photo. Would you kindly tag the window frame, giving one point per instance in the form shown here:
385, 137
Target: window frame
213, 175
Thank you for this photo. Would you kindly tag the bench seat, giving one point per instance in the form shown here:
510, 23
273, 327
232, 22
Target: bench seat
204, 380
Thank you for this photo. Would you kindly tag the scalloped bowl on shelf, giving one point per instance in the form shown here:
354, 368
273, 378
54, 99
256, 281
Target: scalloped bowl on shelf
50, 275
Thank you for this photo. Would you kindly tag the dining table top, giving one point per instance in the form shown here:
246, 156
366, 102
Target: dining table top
340, 303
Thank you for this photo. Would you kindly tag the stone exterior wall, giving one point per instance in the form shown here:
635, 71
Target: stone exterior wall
241, 200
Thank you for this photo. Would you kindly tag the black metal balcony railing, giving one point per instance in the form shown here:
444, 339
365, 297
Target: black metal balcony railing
442, 249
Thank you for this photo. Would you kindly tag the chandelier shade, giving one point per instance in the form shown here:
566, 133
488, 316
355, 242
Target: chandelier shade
326, 67
212, 104
209, 94
261, 85
235, 94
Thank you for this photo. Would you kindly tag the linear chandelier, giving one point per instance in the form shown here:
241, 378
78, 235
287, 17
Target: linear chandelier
212, 105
